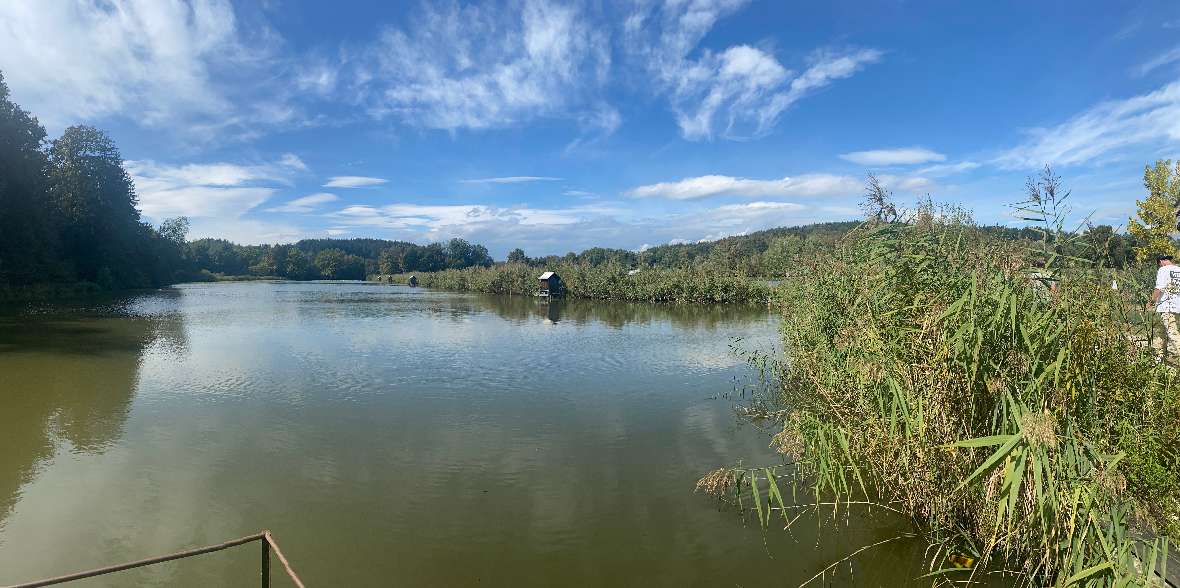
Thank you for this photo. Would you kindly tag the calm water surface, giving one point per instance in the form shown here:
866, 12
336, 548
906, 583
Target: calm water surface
392, 436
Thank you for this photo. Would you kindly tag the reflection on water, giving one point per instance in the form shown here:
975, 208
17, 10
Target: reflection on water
390, 435
68, 380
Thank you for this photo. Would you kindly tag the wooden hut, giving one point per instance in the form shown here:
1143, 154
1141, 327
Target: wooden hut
413, 281
550, 284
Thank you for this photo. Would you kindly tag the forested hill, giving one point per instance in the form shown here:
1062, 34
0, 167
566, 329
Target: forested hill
767, 253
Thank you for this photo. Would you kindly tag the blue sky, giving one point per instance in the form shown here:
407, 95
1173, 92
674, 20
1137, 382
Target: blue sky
558, 126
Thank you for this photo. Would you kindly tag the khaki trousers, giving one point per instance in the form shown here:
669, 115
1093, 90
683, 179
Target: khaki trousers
1172, 331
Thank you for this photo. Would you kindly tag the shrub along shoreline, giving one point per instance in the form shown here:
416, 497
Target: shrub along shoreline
606, 282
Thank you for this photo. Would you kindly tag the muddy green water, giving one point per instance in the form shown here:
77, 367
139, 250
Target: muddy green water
391, 436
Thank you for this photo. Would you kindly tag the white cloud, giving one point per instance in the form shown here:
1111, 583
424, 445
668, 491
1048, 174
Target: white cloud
947, 169
246, 231
899, 156
1151, 119
354, 182
305, 204
714, 185
1165, 58
906, 183
511, 180
292, 161
738, 92
483, 66
206, 190
457, 217
183, 65
217, 197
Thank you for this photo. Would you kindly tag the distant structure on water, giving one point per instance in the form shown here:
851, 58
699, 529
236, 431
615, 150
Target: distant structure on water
550, 284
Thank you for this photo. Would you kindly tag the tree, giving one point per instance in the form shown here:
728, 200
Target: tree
27, 237
334, 264
517, 256
431, 258
1158, 212
299, 266
390, 261
461, 254
171, 249
95, 199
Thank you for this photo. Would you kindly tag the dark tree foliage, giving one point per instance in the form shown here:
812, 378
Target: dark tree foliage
68, 211
26, 229
335, 264
95, 199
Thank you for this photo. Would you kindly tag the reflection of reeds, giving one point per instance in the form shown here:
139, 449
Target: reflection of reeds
1019, 425
607, 282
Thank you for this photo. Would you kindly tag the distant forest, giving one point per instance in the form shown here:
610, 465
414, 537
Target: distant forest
68, 214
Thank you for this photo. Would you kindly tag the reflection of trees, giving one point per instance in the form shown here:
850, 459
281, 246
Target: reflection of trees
617, 314
67, 376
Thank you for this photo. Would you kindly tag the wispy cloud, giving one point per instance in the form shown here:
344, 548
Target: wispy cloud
176, 64
305, 204
946, 169
810, 185
292, 161
738, 92
1166, 58
457, 218
898, 156
511, 180
354, 182
1148, 119
483, 66
208, 190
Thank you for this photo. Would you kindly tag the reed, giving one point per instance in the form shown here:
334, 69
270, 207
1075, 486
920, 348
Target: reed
929, 371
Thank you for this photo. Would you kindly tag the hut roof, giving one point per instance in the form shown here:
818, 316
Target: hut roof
547, 275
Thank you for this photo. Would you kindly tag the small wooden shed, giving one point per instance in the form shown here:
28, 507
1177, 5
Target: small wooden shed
413, 281
550, 284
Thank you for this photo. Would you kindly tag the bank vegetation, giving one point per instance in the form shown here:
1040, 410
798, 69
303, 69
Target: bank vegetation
609, 281
1004, 396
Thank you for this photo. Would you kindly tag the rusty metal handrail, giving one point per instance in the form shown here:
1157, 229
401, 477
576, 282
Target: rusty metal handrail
268, 543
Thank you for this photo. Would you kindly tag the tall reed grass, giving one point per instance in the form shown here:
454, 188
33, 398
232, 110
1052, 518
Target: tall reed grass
930, 370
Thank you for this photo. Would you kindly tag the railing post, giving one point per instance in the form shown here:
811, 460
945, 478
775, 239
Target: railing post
265, 562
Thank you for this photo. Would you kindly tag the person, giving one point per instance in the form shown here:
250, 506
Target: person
1166, 300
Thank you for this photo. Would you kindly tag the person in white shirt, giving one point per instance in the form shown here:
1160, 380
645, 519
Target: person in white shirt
1166, 300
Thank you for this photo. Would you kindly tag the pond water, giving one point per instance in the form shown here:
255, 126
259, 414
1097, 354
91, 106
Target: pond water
393, 436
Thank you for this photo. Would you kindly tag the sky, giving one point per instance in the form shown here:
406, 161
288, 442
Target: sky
561, 125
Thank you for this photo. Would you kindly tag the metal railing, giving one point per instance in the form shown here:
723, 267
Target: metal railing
268, 544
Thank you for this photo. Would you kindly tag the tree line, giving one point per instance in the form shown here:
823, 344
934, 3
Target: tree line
332, 259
